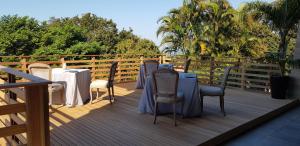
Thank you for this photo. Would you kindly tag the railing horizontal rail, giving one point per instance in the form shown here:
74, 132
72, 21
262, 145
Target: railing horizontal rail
12, 108
14, 129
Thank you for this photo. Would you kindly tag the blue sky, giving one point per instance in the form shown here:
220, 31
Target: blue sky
140, 15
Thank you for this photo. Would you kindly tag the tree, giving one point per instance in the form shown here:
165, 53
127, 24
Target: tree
283, 17
19, 35
87, 48
197, 22
217, 17
63, 35
250, 38
87, 34
98, 29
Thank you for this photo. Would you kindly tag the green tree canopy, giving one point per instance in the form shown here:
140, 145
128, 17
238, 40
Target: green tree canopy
83, 35
19, 35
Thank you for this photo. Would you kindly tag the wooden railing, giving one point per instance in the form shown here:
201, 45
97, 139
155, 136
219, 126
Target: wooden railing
24, 113
128, 66
251, 74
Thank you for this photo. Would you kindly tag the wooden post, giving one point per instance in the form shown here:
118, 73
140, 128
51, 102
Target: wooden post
163, 58
142, 59
63, 65
211, 72
24, 65
119, 70
93, 69
12, 96
37, 115
243, 67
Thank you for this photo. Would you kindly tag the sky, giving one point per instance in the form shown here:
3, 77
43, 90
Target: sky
140, 15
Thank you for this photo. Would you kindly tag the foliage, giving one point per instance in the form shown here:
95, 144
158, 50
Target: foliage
85, 35
18, 35
214, 28
282, 16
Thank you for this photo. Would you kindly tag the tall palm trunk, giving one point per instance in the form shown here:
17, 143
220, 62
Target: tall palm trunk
282, 51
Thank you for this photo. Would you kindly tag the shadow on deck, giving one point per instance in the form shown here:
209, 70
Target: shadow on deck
122, 124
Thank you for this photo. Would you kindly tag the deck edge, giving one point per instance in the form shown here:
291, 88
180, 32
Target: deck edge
250, 124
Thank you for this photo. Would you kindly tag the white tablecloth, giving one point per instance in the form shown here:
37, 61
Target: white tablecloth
77, 84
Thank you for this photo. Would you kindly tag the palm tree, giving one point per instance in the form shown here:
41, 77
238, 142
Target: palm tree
179, 29
282, 16
217, 16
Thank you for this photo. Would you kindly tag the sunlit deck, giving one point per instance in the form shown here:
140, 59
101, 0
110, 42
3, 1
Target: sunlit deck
122, 124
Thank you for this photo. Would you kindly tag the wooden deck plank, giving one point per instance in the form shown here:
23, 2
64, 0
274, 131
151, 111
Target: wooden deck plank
122, 124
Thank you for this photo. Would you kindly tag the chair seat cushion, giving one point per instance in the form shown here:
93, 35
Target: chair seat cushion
99, 84
164, 99
211, 91
55, 87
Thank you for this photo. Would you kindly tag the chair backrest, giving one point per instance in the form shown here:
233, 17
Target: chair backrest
41, 70
112, 73
225, 77
150, 66
165, 82
187, 65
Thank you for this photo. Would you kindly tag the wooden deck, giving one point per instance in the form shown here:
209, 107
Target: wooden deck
122, 124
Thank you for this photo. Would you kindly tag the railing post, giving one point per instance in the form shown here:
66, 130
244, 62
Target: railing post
24, 65
63, 63
162, 59
37, 115
211, 72
119, 70
243, 66
142, 59
12, 96
93, 68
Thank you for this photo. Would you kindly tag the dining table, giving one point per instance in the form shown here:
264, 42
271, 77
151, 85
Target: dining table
187, 84
77, 83
140, 82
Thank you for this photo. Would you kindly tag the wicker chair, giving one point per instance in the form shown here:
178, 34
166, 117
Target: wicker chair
44, 71
109, 84
165, 90
187, 65
149, 67
216, 90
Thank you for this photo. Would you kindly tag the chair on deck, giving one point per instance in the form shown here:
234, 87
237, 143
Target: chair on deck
109, 84
149, 67
216, 90
165, 90
44, 71
187, 65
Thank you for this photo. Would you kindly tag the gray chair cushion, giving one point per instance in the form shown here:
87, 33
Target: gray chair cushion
170, 99
211, 91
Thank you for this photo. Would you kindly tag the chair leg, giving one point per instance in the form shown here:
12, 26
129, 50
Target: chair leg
182, 105
50, 98
113, 91
201, 102
174, 114
222, 105
91, 96
155, 112
97, 94
109, 95
62, 92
